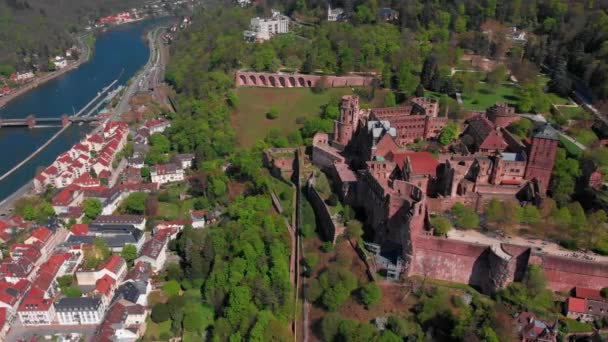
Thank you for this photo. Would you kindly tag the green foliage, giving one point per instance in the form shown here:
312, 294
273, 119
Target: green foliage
532, 98
71, 292
332, 288
34, 209
171, 288
370, 294
354, 229
197, 318
160, 313
65, 280
129, 252
497, 76
441, 225
465, 217
390, 100
135, 203
327, 246
563, 178
521, 128
159, 149
92, 207
272, 114
449, 133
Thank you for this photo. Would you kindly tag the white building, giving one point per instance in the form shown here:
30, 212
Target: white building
60, 62
35, 309
154, 252
166, 173
81, 310
261, 29
334, 14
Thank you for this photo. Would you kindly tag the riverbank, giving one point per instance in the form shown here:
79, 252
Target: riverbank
38, 81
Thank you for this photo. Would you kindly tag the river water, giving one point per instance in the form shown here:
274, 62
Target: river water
122, 48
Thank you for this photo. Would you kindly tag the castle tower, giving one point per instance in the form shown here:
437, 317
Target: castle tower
345, 127
542, 155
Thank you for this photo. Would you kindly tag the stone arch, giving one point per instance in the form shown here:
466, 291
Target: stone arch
301, 82
282, 82
309, 83
243, 80
254, 81
263, 80
292, 82
273, 81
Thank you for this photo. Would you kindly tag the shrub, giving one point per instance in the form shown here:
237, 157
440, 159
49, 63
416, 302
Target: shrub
370, 294
307, 230
332, 200
327, 246
272, 114
160, 313
441, 225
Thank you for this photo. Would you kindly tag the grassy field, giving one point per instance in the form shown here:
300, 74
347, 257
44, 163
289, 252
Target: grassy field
154, 330
485, 96
249, 118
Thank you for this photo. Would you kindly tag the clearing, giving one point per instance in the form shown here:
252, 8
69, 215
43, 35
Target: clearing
249, 118
486, 95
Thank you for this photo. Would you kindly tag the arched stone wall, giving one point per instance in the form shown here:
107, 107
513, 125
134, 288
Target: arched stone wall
277, 80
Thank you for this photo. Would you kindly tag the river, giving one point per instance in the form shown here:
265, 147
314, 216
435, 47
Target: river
121, 48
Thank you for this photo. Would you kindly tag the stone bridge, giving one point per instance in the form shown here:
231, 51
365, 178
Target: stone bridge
280, 80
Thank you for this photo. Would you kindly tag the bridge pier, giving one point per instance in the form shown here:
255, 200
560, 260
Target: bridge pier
30, 121
65, 120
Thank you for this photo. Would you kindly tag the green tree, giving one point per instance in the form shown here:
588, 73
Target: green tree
329, 326
92, 207
171, 288
535, 280
419, 90
389, 99
129, 253
563, 178
497, 76
449, 133
370, 294
72, 292
135, 203
354, 230
160, 313
197, 318
531, 215
441, 225
465, 217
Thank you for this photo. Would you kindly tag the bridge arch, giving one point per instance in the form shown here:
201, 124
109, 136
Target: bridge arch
301, 82
243, 80
254, 81
273, 81
292, 82
282, 82
263, 80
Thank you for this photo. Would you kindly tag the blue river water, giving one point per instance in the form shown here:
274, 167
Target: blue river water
120, 49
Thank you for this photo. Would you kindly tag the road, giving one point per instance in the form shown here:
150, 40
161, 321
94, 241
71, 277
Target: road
148, 77
19, 332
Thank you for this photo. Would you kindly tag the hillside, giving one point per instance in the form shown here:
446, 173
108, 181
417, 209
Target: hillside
33, 30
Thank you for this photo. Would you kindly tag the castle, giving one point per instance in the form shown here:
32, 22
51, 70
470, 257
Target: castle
399, 189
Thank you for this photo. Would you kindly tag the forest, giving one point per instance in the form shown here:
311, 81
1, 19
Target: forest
31, 31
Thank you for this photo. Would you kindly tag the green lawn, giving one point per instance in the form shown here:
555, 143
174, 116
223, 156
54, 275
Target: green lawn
574, 113
174, 211
249, 118
154, 330
485, 96
575, 326
570, 147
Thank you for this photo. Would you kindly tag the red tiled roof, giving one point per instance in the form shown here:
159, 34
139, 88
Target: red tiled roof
113, 264
105, 174
156, 123
42, 233
587, 293
80, 229
576, 304
493, 141
81, 147
104, 284
34, 301
95, 138
421, 163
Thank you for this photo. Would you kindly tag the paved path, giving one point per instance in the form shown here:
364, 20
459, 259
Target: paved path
19, 332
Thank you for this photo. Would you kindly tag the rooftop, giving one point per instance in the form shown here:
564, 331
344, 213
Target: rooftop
78, 304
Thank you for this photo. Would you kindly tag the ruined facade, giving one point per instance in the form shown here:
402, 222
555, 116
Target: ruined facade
398, 189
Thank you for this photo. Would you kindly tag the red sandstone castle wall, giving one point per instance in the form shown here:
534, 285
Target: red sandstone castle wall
448, 260
565, 273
